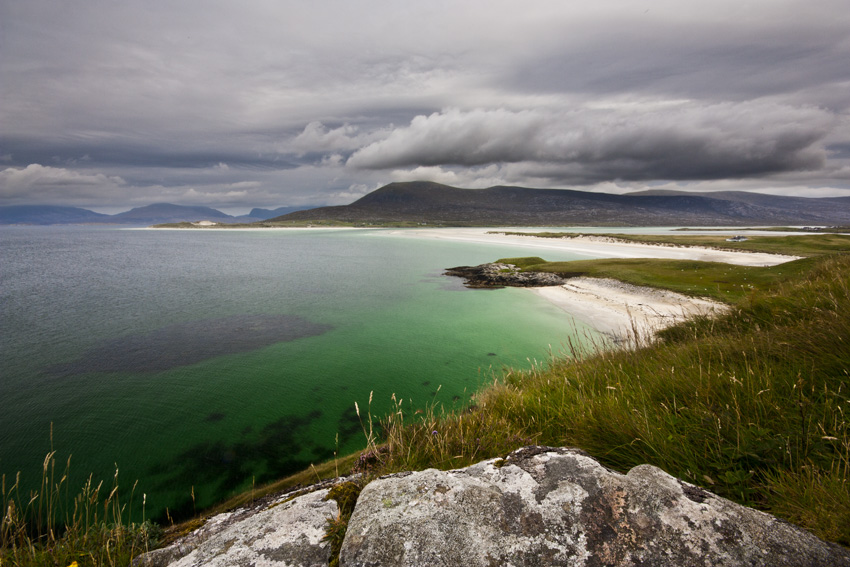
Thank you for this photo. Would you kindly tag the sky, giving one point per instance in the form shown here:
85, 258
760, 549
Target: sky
111, 104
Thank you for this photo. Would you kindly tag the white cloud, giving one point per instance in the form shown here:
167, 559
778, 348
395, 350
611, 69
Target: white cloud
470, 178
316, 137
351, 194
35, 177
192, 195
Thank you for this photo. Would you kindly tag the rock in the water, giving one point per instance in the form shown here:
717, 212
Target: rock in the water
285, 533
501, 275
544, 506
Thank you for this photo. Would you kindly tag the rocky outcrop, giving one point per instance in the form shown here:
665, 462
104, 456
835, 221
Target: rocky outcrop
540, 506
544, 506
285, 532
502, 275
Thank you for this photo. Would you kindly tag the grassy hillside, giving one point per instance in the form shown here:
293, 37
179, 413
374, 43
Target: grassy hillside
724, 282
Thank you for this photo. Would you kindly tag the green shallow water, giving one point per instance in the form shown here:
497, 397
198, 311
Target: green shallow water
200, 362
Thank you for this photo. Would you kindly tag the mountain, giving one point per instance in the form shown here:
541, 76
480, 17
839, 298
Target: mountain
48, 214
166, 212
822, 206
433, 203
157, 213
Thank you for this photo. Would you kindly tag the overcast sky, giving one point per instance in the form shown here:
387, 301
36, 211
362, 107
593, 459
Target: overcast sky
109, 104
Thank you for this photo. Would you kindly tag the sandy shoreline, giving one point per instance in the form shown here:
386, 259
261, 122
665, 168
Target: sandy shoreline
622, 311
614, 308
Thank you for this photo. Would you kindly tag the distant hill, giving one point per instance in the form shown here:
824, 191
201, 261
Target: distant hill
823, 206
433, 203
158, 213
166, 212
45, 214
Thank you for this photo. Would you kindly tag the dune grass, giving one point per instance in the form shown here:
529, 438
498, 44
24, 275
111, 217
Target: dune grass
752, 406
728, 283
55, 526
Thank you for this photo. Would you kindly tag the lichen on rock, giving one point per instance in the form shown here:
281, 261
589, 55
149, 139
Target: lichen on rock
287, 532
549, 506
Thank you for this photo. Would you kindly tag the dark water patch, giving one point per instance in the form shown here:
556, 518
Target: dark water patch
215, 417
281, 448
349, 424
492, 354
189, 343
444, 282
426, 383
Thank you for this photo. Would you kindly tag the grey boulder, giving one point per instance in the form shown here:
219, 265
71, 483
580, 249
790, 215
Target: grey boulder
545, 506
285, 532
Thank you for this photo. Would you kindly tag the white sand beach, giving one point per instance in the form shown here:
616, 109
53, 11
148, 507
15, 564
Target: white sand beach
614, 308
623, 311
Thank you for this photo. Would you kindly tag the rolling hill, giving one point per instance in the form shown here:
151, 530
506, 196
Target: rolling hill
433, 203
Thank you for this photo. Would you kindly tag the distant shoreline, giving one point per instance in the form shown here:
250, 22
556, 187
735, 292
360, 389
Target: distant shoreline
595, 247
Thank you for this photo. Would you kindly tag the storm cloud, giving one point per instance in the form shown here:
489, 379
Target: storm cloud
676, 141
110, 105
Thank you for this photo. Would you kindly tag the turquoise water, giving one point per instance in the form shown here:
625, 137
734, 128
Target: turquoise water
200, 362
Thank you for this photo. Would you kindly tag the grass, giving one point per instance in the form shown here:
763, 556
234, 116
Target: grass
724, 282
752, 406
53, 526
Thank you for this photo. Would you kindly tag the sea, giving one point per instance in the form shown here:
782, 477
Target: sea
195, 364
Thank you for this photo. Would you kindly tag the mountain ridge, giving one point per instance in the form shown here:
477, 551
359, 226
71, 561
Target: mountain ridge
432, 203
426, 202
154, 213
